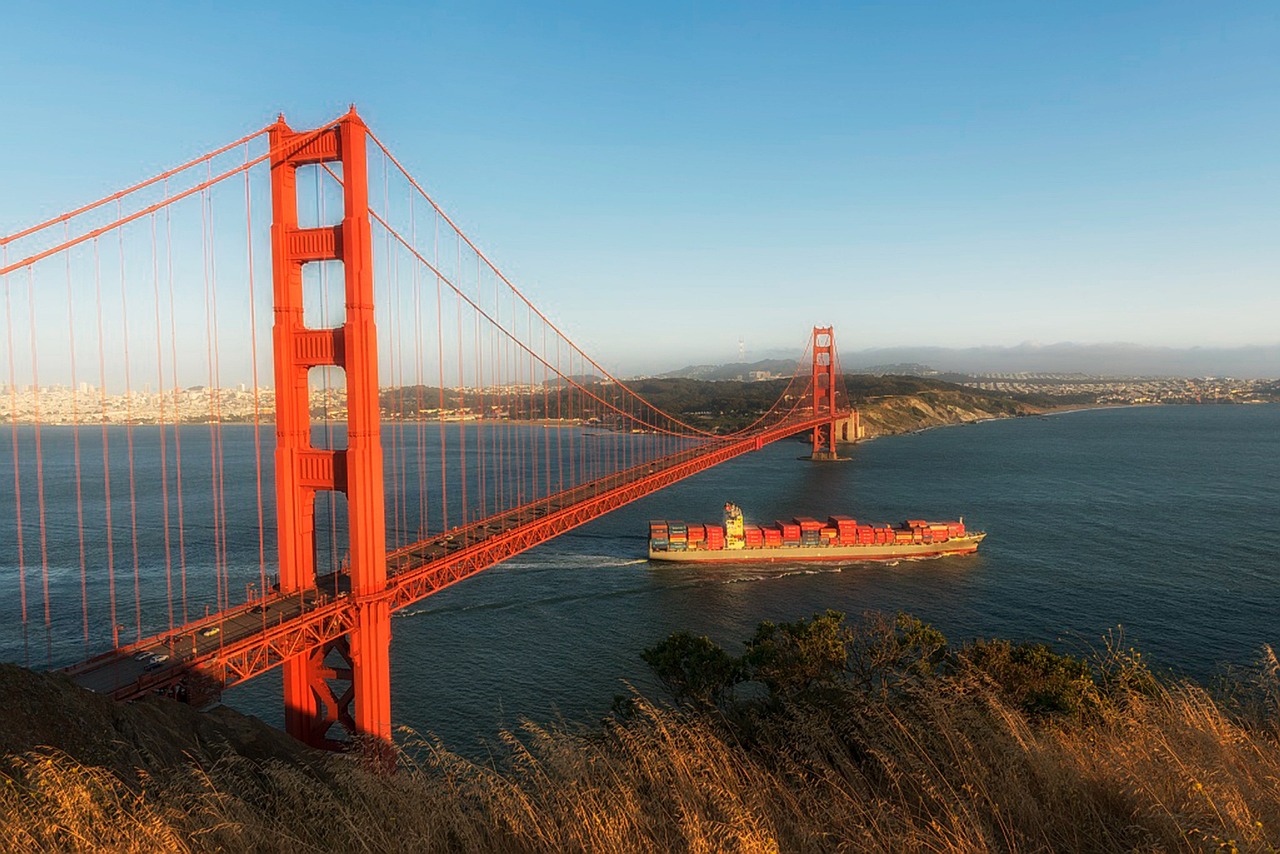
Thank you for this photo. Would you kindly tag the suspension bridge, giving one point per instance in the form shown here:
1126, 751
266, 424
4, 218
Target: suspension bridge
263, 400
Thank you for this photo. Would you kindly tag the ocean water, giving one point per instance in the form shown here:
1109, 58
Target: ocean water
1162, 521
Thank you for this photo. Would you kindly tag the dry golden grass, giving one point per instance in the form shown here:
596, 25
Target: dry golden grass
949, 764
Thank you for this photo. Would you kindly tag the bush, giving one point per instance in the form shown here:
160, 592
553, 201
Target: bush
888, 653
694, 670
792, 657
1034, 678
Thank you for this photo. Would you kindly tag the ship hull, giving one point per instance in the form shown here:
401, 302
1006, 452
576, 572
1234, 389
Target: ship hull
967, 544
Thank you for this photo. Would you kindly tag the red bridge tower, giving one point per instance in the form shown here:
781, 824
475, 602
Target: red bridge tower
824, 392
346, 681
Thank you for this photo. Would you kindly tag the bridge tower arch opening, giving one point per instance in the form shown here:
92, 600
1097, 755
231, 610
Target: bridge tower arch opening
346, 682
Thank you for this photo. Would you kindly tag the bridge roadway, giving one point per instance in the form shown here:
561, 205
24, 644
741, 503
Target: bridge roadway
234, 645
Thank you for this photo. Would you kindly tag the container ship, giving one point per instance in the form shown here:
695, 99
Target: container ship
804, 538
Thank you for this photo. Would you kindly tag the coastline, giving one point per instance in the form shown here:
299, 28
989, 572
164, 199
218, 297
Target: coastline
1029, 412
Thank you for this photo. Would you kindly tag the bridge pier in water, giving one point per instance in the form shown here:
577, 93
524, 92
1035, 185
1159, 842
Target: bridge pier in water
360, 701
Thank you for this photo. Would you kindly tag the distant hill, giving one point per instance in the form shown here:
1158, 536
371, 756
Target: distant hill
785, 368
1109, 360
898, 369
734, 370
1113, 360
580, 379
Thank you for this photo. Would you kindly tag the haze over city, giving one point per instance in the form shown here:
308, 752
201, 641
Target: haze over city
666, 180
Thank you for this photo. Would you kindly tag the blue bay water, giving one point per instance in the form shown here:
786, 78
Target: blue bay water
1162, 520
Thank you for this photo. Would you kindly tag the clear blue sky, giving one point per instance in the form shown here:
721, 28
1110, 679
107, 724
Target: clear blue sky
664, 178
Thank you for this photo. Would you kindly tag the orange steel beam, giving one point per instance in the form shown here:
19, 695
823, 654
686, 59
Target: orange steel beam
248, 645
230, 658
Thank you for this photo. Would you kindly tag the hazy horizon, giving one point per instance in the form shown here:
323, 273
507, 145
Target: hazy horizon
1118, 359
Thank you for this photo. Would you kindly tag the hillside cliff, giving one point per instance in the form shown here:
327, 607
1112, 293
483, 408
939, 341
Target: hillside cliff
904, 413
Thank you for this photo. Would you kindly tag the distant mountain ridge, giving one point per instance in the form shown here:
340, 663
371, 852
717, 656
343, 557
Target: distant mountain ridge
1111, 360
734, 370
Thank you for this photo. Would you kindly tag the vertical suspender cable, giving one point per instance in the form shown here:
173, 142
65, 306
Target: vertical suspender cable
547, 438
17, 472
462, 426
389, 340
35, 403
444, 480
419, 423
221, 531
481, 423
75, 442
128, 431
164, 451
499, 433
257, 402
106, 456
177, 402
559, 422
208, 337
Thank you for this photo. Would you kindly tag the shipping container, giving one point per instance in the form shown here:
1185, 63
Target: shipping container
807, 523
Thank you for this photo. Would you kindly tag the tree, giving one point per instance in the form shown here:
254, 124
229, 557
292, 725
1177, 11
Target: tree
695, 670
890, 652
792, 657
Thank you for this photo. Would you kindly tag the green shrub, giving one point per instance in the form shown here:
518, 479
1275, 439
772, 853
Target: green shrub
1034, 678
789, 658
694, 670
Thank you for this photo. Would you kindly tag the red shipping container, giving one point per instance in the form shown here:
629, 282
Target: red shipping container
790, 530
807, 523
